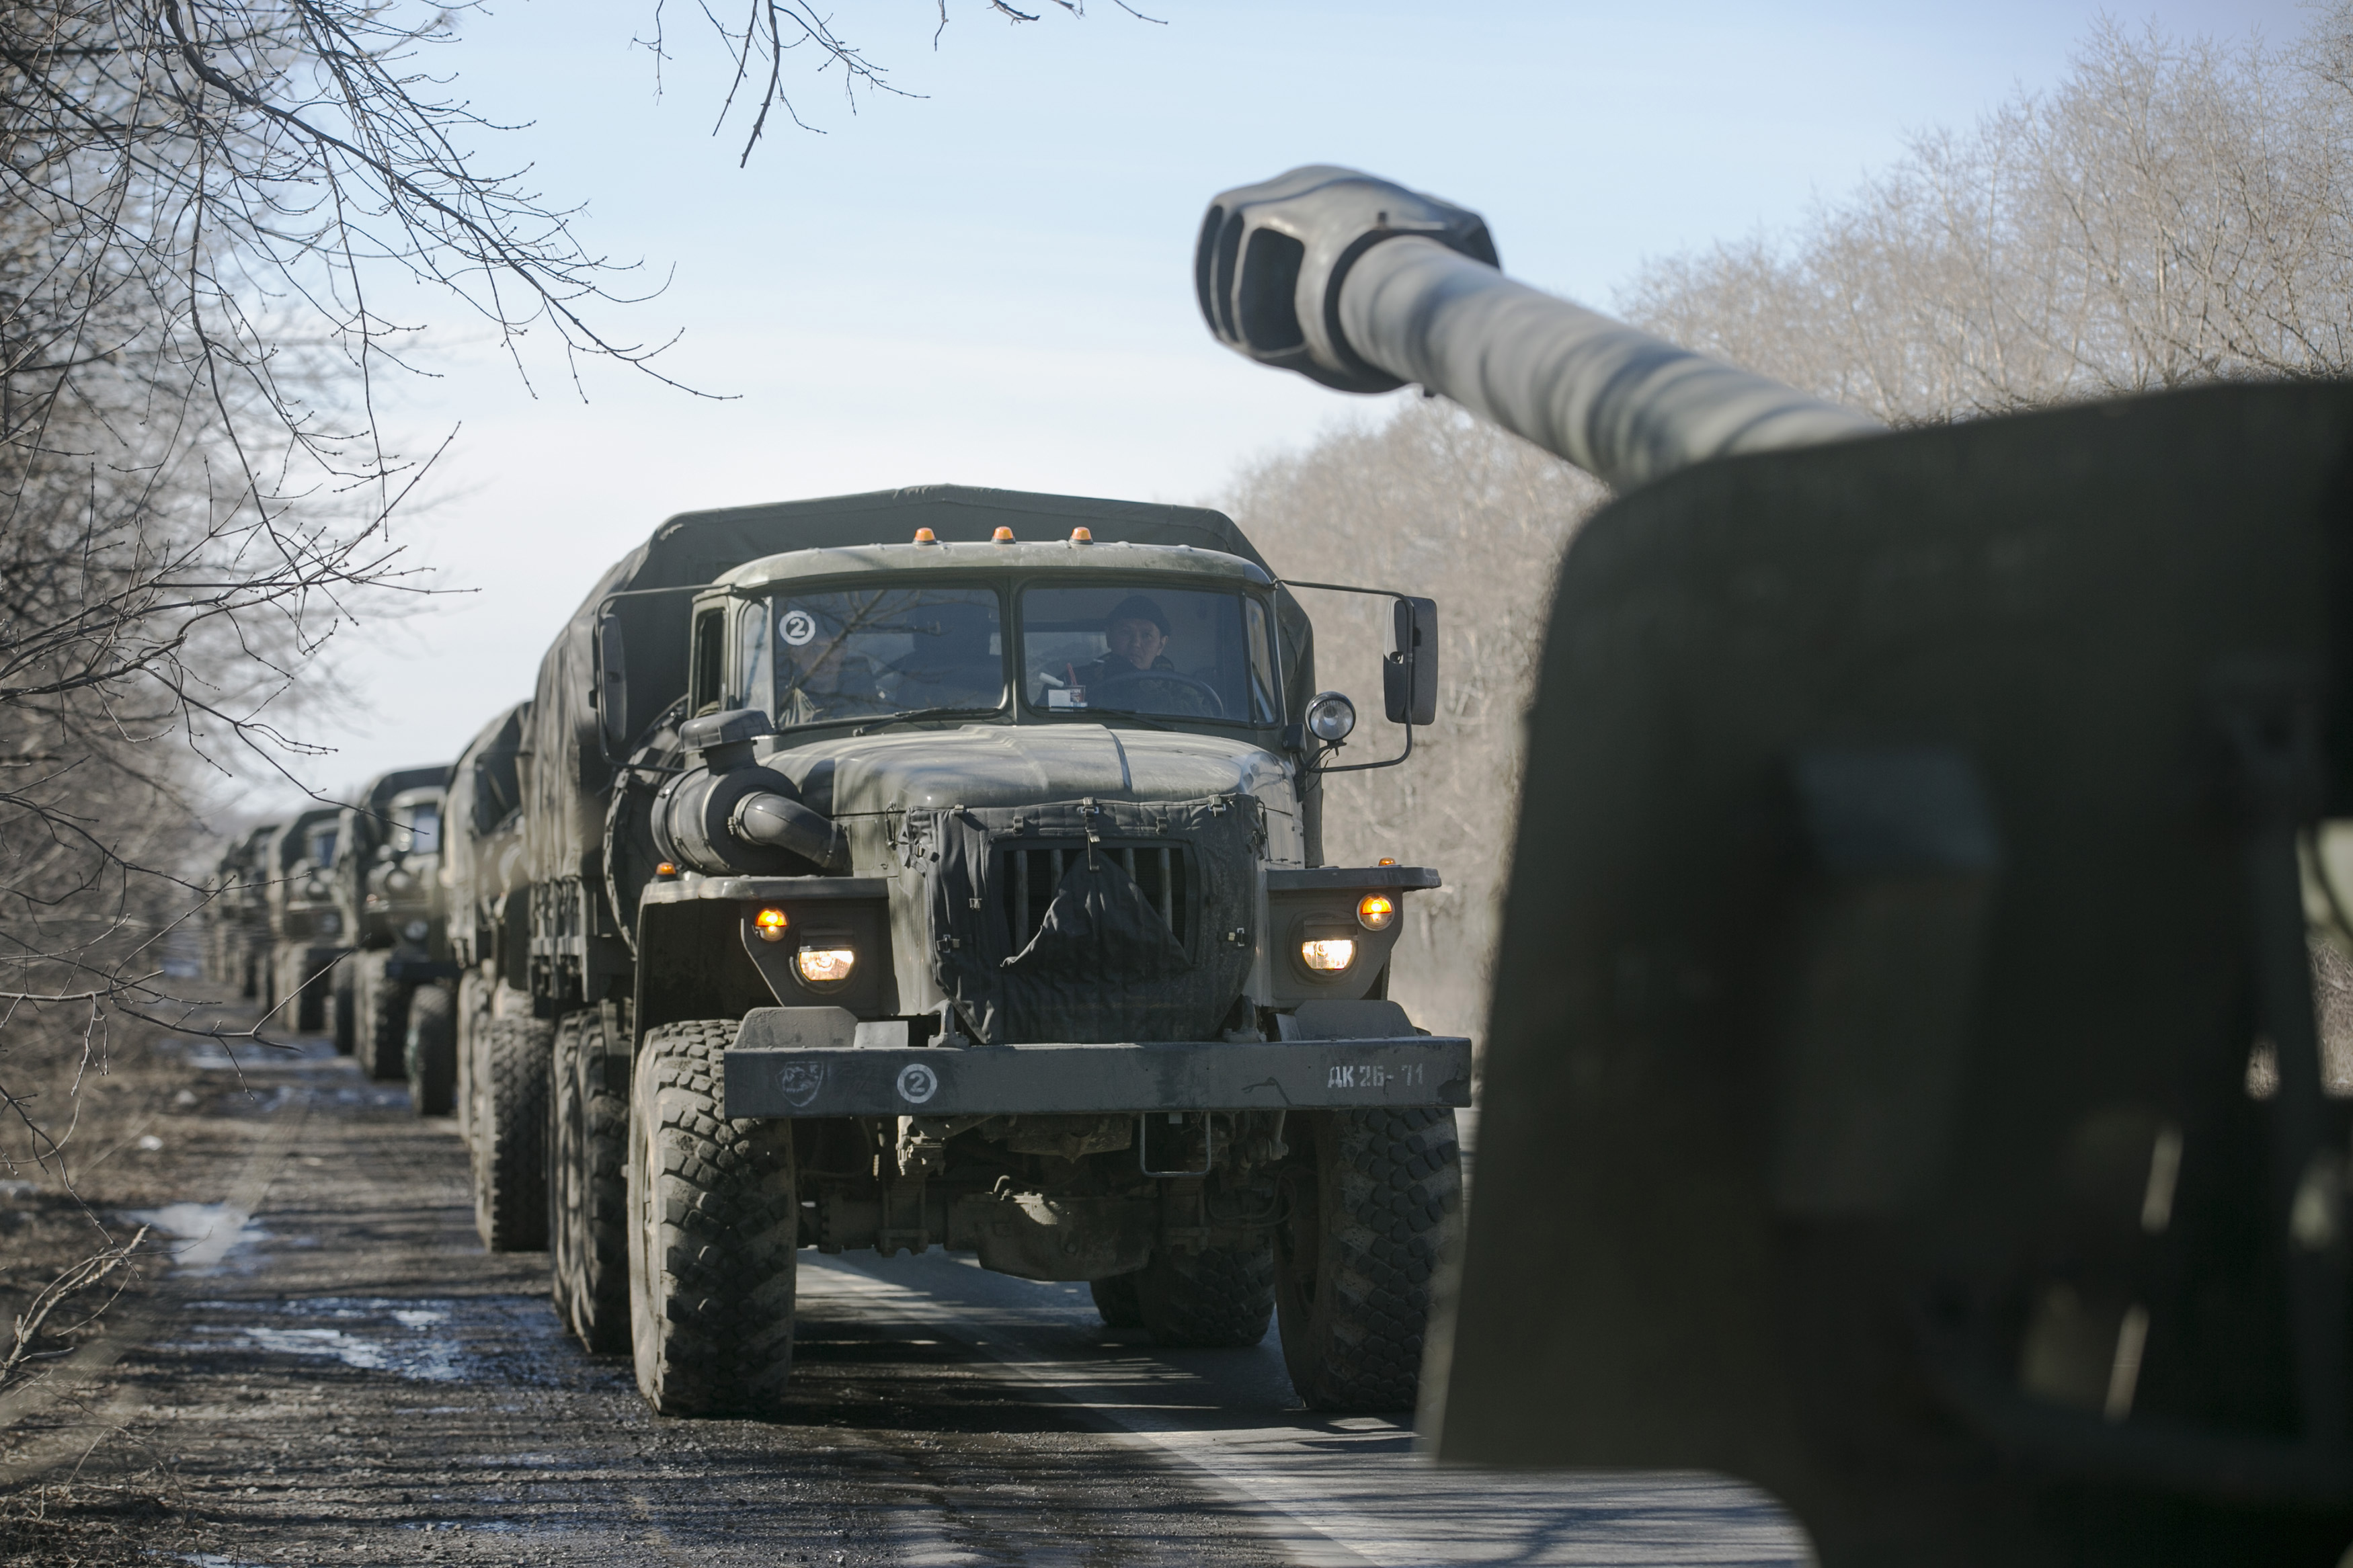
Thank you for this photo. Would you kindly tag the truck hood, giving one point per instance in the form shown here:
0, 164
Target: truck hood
998, 764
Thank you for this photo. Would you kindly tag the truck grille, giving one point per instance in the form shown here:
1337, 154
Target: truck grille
1029, 873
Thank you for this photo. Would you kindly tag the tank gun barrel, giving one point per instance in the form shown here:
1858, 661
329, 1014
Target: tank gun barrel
1365, 286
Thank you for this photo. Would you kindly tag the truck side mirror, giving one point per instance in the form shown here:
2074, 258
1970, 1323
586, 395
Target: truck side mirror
612, 682
1409, 672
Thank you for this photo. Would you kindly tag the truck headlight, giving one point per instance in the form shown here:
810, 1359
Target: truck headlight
1328, 954
415, 930
1331, 716
825, 966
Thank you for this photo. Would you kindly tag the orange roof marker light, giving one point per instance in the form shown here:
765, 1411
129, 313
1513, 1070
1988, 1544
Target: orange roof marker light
1082, 536
1003, 535
925, 536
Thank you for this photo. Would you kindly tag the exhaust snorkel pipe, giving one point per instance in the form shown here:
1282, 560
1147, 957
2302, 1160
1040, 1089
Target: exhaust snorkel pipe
730, 816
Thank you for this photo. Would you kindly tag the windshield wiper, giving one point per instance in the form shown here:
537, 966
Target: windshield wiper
870, 720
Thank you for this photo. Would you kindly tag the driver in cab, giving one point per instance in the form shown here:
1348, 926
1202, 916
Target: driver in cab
1136, 634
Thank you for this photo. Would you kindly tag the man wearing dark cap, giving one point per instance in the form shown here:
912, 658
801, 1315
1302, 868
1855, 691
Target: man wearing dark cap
1135, 634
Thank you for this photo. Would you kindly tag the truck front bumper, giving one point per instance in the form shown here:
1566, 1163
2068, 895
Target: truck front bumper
790, 1081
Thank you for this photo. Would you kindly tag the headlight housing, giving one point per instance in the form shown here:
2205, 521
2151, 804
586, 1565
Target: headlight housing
826, 965
1331, 718
1328, 954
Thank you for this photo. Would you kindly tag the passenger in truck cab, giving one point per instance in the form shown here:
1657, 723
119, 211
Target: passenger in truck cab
821, 679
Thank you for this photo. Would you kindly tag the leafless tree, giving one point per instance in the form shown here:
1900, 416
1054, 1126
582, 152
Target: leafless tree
1429, 502
201, 203
763, 37
2170, 212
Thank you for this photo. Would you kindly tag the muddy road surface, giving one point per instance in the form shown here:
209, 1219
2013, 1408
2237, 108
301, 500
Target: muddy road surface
330, 1369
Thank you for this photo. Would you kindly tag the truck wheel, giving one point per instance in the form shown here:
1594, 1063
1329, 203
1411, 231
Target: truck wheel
383, 1020
347, 1006
1373, 1196
431, 1050
1218, 1297
713, 1233
310, 996
471, 1017
1115, 1301
588, 1191
511, 1136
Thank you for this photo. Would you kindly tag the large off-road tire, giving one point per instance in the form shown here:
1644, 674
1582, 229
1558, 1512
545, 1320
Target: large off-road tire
1115, 1301
310, 987
430, 1052
347, 1006
713, 1231
473, 1019
510, 1135
1374, 1195
1217, 1298
383, 1020
588, 1189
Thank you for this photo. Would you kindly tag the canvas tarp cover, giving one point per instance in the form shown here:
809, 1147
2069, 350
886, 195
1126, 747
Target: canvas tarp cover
1103, 966
567, 776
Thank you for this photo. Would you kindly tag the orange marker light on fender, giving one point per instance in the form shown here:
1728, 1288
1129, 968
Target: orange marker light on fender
664, 869
1082, 536
771, 922
1003, 535
1375, 910
925, 536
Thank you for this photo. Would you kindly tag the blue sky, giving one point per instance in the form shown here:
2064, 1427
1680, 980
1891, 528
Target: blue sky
989, 283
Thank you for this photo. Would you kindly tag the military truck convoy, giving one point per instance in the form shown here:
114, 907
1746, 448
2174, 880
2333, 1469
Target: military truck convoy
942, 867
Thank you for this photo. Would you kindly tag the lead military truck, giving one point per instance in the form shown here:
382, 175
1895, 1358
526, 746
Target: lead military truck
942, 867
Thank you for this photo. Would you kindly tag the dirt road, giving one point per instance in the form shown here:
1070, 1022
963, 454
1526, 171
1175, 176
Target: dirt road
333, 1371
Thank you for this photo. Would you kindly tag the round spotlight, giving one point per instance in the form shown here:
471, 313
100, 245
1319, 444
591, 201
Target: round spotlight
1328, 954
415, 930
770, 923
1331, 716
1375, 911
825, 966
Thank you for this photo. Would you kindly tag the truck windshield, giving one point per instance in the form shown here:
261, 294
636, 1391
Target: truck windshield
420, 833
1145, 647
869, 653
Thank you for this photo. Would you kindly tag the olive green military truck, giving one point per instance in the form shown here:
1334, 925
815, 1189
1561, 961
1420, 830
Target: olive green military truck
399, 982
487, 897
942, 867
306, 929
236, 915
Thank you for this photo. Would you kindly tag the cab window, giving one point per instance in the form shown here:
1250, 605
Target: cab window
710, 662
